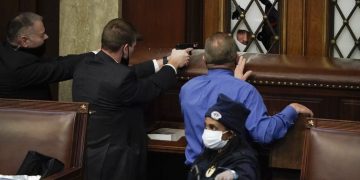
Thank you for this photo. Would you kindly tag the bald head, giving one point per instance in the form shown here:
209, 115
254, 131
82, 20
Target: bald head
220, 49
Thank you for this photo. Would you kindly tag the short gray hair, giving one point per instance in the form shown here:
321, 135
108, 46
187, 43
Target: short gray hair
20, 24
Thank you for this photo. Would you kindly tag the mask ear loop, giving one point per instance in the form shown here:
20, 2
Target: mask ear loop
230, 136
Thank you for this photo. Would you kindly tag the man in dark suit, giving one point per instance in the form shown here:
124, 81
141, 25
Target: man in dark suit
24, 74
116, 140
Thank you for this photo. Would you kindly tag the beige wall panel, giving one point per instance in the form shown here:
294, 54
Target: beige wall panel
81, 24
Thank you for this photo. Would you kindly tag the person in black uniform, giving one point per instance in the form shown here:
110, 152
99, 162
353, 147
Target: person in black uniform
24, 74
116, 136
228, 154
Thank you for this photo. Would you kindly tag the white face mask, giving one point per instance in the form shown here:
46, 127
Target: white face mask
213, 139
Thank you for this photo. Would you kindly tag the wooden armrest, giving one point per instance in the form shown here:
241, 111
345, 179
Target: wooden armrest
67, 174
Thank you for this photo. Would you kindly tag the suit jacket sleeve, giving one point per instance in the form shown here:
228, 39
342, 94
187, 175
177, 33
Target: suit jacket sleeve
49, 70
135, 90
144, 69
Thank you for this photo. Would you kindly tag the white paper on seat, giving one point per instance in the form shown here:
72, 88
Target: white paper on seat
166, 134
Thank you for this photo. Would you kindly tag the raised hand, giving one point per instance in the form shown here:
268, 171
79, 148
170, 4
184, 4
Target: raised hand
239, 70
179, 58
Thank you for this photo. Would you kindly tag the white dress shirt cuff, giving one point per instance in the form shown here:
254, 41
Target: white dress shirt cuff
156, 66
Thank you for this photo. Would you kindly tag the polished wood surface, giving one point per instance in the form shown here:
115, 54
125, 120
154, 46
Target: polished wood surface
79, 107
293, 27
177, 147
287, 152
161, 23
289, 70
317, 28
215, 17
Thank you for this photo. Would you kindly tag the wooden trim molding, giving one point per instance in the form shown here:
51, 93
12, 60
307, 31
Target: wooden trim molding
316, 30
293, 25
283, 24
326, 29
260, 81
215, 17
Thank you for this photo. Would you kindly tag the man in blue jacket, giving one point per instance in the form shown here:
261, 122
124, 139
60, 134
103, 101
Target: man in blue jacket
198, 94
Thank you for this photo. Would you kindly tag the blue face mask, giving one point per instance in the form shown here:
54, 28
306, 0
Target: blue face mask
213, 139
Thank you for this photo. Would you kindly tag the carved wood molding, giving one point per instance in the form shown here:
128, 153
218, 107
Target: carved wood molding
215, 17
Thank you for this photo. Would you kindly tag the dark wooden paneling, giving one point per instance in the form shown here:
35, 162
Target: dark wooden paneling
50, 11
276, 100
165, 23
194, 21
161, 22
325, 103
28, 5
292, 144
349, 108
9, 9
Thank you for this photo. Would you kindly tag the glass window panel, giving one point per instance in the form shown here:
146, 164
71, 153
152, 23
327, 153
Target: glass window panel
346, 28
355, 22
345, 42
345, 6
255, 25
338, 22
356, 54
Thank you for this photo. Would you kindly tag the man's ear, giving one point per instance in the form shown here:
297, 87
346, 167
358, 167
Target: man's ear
203, 58
22, 41
123, 48
126, 47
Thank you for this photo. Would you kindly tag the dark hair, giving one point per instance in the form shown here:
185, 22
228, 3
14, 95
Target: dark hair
220, 48
117, 33
21, 23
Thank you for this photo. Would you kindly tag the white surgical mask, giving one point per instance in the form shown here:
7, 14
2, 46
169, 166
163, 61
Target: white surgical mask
213, 139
